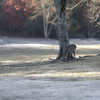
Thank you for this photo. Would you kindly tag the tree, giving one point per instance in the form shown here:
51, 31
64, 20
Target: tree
16, 12
46, 15
47, 9
92, 15
89, 17
62, 26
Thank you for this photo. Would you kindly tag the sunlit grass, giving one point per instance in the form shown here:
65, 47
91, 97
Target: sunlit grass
62, 74
88, 46
56, 74
73, 69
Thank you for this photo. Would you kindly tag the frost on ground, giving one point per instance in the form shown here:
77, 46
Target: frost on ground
74, 80
25, 89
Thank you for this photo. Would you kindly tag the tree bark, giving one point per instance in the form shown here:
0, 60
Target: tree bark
62, 26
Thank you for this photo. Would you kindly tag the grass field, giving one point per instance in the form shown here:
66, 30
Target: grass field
78, 79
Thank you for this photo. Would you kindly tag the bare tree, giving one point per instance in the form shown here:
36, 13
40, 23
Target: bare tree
47, 9
46, 5
91, 16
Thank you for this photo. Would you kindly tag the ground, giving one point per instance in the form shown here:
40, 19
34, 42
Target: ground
73, 80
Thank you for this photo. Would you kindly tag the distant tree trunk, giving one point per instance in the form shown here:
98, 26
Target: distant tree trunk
62, 26
46, 15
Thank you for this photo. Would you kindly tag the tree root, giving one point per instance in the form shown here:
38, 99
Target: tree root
88, 56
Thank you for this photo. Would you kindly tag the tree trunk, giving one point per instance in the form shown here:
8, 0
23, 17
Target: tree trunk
62, 26
46, 15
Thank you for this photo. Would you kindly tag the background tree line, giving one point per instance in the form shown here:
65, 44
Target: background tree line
38, 18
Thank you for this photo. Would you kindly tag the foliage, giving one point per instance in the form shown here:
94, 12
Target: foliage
2, 23
33, 28
75, 24
16, 12
76, 29
1, 16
